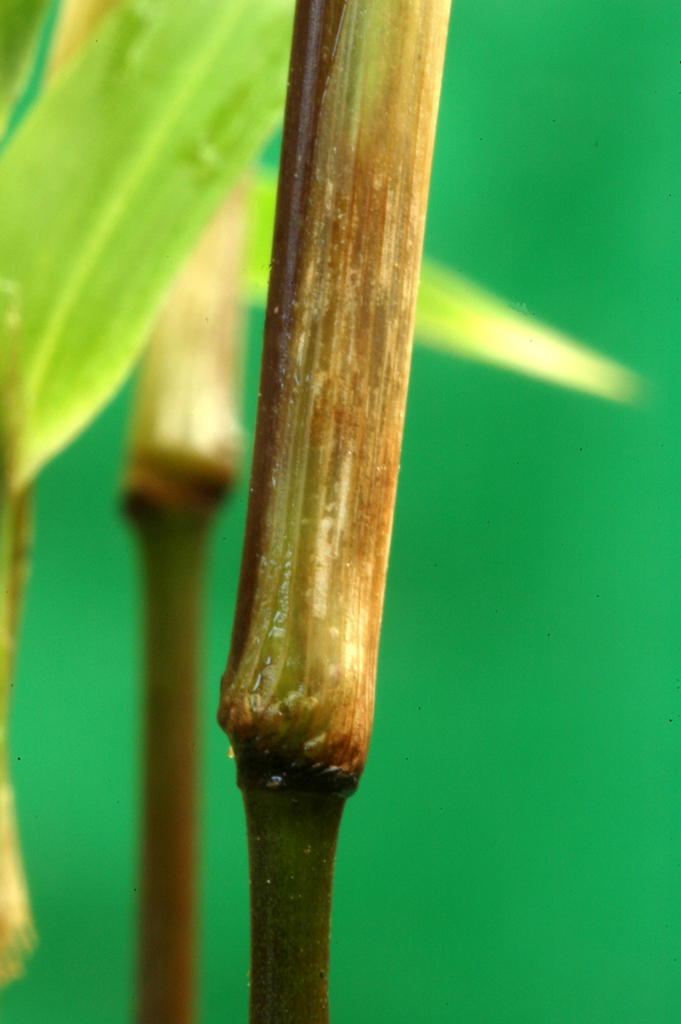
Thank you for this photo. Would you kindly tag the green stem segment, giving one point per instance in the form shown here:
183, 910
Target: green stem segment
173, 543
292, 847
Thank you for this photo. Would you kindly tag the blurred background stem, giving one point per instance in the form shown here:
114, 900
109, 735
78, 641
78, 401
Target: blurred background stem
16, 924
184, 455
17, 936
172, 543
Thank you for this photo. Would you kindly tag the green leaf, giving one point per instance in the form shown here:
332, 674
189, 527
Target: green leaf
262, 206
456, 316
108, 181
20, 24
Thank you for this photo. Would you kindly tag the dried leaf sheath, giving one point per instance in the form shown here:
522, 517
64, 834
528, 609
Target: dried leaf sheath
297, 697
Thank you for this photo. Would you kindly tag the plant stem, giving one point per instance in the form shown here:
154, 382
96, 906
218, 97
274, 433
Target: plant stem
173, 544
297, 695
292, 848
184, 456
364, 83
17, 936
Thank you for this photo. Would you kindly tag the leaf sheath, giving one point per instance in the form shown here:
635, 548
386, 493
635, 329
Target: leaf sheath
297, 696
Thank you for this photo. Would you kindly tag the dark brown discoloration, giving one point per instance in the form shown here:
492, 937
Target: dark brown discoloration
155, 484
261, 768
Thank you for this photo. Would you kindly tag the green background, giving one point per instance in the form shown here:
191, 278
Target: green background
513, 854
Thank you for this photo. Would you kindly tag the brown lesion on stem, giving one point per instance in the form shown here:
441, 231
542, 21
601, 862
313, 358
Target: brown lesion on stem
298, 693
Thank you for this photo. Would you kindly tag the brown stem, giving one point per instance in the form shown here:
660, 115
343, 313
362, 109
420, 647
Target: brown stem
298, 691
173, 545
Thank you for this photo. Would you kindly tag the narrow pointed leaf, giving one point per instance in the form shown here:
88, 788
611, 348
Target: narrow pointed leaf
108, 182
456, 316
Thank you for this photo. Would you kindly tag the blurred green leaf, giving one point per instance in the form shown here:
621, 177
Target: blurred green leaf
456, 316
20, 23
262, 206
108, 181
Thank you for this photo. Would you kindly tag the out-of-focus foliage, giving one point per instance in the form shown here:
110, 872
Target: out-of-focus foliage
108, 182
111, 177
457, 316
20, 22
